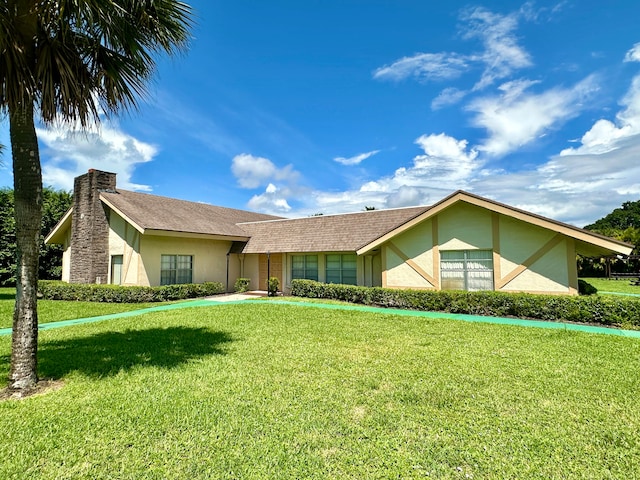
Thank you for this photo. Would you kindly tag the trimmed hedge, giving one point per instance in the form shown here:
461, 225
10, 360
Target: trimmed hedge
57, 290
618, 311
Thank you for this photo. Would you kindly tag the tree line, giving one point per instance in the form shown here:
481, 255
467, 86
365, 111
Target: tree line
55, 204
623, 224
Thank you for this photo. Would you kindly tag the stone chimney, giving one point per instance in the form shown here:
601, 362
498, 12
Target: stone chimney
90, 228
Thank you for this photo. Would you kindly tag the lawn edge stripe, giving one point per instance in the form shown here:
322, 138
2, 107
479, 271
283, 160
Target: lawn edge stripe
622, 294
472, 318
111, 316
389, 311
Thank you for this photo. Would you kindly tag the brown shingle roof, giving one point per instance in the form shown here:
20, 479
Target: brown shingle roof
325, 233
152, 212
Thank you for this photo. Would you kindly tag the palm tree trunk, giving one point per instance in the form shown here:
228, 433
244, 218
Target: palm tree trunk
27, 181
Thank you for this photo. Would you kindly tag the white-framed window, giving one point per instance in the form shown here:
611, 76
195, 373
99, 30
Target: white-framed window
304, 266
466, 270
176, 269
116, 269
342, 268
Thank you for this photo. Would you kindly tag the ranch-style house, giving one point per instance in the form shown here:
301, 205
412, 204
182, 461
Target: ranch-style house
463, 242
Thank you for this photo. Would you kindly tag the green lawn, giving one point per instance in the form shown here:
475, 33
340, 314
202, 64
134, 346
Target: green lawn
619, 286
57, 310
279, 391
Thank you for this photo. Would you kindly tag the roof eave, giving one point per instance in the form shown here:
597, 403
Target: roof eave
56, 235
580, 234
122, 214
182, 234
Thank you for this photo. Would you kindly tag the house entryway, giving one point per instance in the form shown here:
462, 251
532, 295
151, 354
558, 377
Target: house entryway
269, 265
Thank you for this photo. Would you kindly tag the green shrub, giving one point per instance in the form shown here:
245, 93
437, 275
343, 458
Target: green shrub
273, 287
619, 311
585, 288
57, 290
241, 285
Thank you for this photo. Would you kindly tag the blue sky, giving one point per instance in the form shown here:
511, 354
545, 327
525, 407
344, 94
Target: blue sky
295, 108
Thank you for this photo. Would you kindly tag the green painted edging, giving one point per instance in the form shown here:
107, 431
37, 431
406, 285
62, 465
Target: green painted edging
389, 311
621, 294
111, 316
461, 316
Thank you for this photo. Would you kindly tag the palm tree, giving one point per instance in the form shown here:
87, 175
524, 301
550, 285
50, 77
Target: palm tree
72, 61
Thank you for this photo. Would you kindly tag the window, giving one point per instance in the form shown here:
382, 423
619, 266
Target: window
116, 269
342, 268
304, 266
176, 269
466, 270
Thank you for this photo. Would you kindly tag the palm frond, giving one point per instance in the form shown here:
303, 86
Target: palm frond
89, 56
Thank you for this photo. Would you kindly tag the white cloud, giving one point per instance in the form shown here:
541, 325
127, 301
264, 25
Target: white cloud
280, 183
252, 171
606, 136
501, 55
446, 165
576, 186
633, 55
428, 66
446, 97
517, 117
405, 196
355, 160
271, 201
68, 153
577, 189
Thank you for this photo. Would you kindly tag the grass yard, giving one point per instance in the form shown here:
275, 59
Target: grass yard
607, 285
279, 391
57, 310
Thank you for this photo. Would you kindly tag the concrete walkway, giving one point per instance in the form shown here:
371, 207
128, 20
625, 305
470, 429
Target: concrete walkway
236, 297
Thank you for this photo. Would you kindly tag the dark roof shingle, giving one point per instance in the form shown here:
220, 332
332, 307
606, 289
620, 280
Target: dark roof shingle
325, 233
152, 212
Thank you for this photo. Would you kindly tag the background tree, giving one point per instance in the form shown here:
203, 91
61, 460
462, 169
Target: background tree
68, 61
7, 239
55, 205
622, 223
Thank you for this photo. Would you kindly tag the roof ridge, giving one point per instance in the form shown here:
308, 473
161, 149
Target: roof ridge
164, 198
329, 215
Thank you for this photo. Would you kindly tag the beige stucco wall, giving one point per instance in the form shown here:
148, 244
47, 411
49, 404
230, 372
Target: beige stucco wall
249, 267
209, 257
66, 257
468, 227
465, 227
125, 240
417, 244
142, 253
518, 242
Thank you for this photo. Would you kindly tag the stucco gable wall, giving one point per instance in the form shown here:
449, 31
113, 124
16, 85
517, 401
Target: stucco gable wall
125, 240
518, 241
465, 227
549, 274
417, 245
552, 272
526, 257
